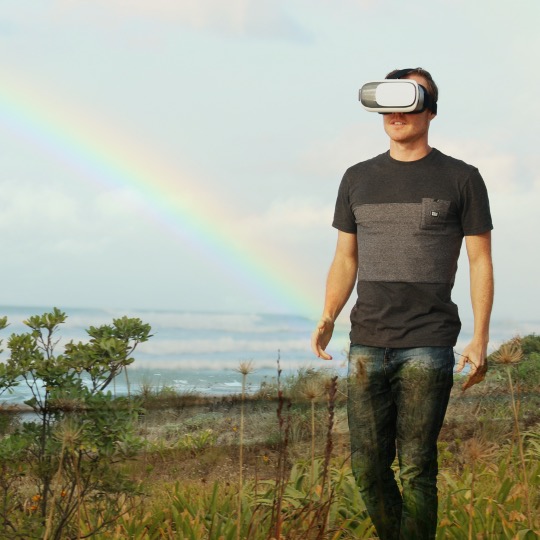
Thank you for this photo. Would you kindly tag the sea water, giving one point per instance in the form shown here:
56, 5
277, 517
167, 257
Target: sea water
201, 352
194, 351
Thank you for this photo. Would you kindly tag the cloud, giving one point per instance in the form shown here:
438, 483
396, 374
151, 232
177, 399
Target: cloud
330, 158
26, 205
292, 230
254, 18
284, 214
498, 168
48, 218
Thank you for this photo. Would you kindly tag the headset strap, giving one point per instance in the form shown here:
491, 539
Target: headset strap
428, 100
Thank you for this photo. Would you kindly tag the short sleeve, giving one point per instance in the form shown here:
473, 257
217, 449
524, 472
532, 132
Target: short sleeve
475, 211
344, 219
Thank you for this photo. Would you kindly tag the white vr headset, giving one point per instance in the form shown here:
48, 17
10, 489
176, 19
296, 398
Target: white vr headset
396, 95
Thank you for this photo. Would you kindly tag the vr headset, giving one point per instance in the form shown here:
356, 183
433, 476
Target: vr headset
396, 96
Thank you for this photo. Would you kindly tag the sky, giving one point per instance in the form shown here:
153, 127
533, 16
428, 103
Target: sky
186, 154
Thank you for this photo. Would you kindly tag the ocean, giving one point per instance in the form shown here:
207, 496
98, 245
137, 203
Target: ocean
200, 352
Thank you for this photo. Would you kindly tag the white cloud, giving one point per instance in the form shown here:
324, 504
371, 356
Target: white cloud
50, 218
330, 158
293, 234
498, 168
296, 238
30, 205
283, 215
260, 18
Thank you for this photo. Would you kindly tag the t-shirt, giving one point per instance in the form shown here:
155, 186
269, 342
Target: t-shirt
410, 218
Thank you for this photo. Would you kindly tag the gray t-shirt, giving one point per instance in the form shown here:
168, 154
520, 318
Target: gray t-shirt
410, 218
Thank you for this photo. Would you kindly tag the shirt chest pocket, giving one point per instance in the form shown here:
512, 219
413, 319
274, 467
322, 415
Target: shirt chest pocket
434, 214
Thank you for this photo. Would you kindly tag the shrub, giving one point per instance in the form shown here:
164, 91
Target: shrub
54, 467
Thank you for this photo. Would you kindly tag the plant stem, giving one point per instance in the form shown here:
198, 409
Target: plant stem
520, 448
312, 476
241, 459
471, 503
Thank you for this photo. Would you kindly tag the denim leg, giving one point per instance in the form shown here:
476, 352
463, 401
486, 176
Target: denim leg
421, 383
398, 396
372, 416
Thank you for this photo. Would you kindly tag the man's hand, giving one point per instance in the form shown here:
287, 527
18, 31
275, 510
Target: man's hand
321, 337
476, 356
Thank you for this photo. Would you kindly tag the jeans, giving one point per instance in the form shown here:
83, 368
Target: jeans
397, 400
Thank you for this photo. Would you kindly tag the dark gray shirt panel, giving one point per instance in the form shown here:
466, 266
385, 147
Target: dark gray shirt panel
404, 315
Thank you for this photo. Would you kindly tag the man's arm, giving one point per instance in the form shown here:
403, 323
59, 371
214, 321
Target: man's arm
339, 285
481, 279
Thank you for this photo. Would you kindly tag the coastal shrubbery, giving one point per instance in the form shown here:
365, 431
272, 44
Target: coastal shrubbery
62, 469
158, 464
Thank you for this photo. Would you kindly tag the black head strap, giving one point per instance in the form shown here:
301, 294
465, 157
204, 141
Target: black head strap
428, 100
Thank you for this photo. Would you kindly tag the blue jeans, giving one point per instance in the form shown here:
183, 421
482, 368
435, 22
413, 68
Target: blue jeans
397, 401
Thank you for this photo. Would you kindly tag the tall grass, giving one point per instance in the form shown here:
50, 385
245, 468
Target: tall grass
510, 354
245, 368
312, 391
198, 484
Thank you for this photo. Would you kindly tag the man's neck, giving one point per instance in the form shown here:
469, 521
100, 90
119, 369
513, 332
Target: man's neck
408, 152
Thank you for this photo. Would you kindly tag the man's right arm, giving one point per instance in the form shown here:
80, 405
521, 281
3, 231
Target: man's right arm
339, 285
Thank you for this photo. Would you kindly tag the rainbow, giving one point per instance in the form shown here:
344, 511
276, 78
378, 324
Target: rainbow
165, 196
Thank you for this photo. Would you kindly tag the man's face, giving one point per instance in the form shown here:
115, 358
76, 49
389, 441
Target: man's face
407, 128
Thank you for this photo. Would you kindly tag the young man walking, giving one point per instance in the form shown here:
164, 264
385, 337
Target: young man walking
401, 218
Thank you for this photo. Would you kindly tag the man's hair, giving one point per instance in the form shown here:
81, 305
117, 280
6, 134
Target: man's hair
432, 87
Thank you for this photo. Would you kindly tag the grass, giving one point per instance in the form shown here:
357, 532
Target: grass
275, 464
489, 450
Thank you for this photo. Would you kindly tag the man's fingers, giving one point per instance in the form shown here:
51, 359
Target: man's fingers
461, 363
320, 338
318, 349
315, 342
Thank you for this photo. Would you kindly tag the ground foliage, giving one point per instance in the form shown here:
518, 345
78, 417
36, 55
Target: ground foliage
62, 468
274, 464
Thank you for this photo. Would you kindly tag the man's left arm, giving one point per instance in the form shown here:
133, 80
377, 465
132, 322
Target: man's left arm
481, 283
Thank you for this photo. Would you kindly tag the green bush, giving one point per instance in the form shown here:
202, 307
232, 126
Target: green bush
55, 467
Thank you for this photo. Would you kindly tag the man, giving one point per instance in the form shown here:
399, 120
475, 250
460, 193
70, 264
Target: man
401, 218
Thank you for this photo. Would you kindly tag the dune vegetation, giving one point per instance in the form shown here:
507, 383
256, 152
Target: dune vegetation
159, 464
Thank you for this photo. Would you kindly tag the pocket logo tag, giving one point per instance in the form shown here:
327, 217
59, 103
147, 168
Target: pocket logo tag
434, 214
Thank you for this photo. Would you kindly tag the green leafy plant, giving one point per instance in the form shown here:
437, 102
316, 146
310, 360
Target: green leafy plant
195, 442
68, 458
